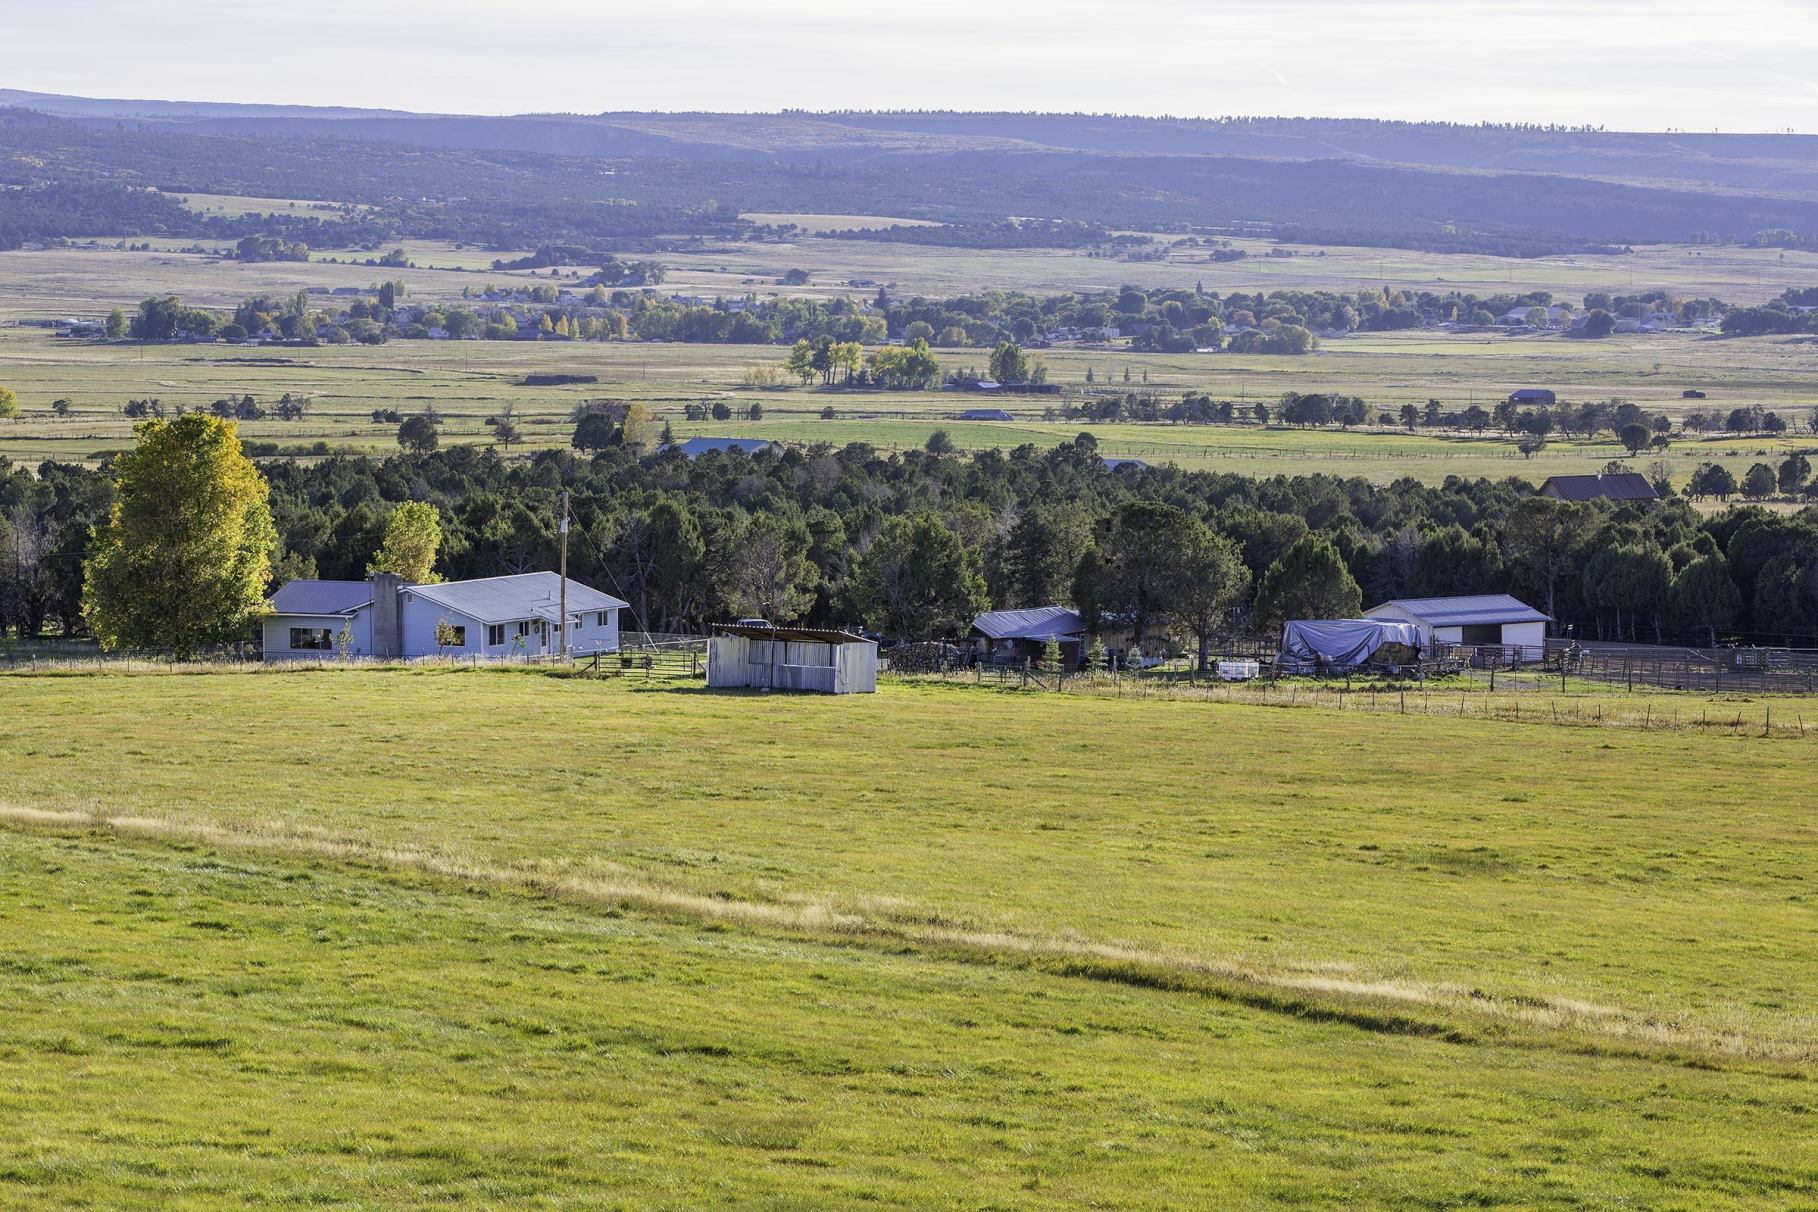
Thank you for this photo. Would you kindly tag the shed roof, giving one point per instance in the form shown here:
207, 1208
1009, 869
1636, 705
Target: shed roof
1113, 462
694, 448
985, 414
816, 635
1037, 623
530, 595
1465, 611
321, 597
1620, 486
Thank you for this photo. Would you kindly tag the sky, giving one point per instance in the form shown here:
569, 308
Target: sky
1623, 64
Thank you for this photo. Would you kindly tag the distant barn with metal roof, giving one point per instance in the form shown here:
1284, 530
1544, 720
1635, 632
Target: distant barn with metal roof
985, 414
1533, 395
694, 448
1112, 463
1006, 636
1035, 623
1617, 486
1484, 620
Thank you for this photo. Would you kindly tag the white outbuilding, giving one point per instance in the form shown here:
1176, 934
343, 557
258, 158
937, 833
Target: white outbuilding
791, 658
1485, 619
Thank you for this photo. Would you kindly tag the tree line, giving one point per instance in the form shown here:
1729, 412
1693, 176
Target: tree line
913, 544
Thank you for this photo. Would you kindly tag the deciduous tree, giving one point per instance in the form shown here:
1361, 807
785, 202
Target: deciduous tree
182, 560
413, 535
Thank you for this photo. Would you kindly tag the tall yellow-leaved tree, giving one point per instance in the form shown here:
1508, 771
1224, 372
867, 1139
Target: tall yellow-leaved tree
182, 560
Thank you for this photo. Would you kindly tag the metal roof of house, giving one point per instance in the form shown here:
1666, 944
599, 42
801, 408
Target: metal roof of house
694, 448
1465, 611
1621, 486
1112, 463
321, 597
1532, 393
530, 595
1038, 623
810, 634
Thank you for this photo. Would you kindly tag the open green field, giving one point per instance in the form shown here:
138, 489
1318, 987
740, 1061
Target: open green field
391, 938
234, 206
59, 281
470, 381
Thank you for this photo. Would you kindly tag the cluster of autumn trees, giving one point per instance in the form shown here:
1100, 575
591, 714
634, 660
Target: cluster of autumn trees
912, 544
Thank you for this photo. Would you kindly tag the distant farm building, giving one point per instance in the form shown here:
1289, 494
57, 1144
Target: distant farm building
1533, 395
387, 618
694, 448
1482, 619
790, 658
1112, 464
984, 414
1005, 637
1619, 486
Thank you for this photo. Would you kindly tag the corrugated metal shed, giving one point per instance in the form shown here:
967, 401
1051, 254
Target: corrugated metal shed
321, 597
1477, 609
1037, 623
530, 595
985, 414
815, 635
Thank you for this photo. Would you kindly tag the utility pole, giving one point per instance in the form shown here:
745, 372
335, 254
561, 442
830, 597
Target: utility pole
562, 626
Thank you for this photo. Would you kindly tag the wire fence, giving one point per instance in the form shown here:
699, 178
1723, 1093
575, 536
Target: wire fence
1466, 696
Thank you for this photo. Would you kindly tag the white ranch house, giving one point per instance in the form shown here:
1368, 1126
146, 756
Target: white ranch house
491, 618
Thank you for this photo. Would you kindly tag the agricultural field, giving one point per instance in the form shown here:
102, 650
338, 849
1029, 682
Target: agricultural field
683, 949
467, 382
79, 280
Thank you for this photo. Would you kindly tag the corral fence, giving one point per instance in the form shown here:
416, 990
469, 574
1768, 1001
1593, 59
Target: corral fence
650, 657
1583, 703
1723, 670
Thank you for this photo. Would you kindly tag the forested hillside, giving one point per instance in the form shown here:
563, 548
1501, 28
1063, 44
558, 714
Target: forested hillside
532, 179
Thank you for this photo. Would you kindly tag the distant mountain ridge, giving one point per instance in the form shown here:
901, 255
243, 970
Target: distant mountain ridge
531, 179
1763, 163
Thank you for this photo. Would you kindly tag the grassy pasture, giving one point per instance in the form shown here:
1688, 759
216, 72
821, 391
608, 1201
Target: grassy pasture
470, 381
234, 206
60, 280
329, 1016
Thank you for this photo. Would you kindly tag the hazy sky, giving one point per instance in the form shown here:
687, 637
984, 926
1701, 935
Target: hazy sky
1636, 64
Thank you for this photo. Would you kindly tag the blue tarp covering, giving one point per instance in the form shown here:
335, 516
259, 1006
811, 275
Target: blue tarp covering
1326, 645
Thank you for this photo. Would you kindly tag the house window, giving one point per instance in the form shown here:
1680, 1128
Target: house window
524, 627
602, 619
456, 637
311, 639
495, 634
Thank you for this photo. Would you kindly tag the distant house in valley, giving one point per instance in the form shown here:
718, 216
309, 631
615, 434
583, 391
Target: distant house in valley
694, 448
1486, 619
492, 617
1613, 486
763, 657
1112, 464
1533, 395
984, 414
